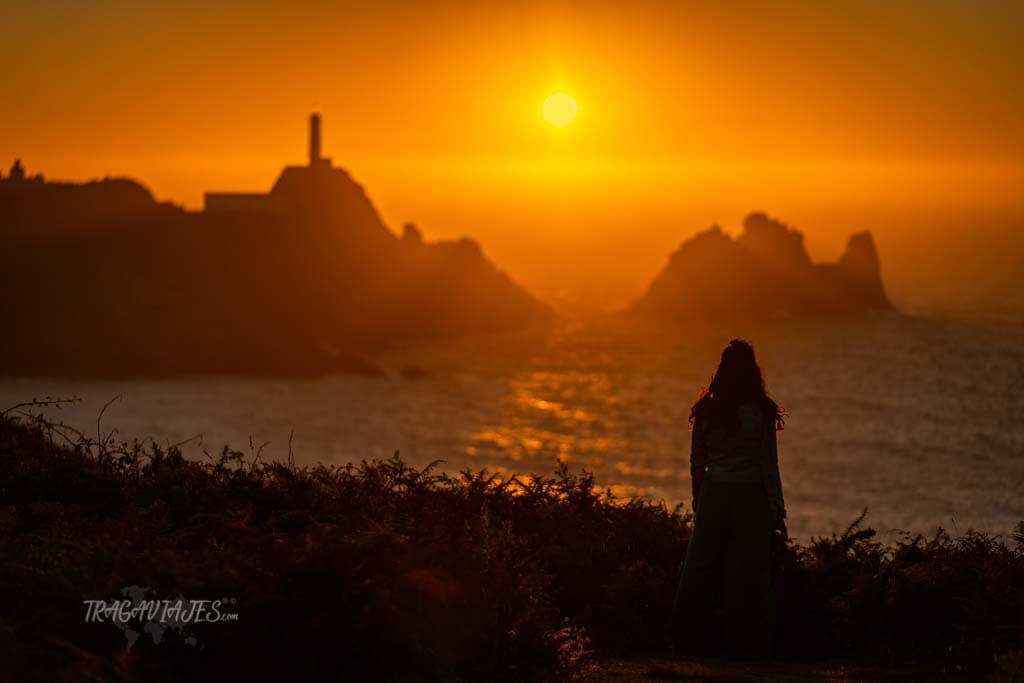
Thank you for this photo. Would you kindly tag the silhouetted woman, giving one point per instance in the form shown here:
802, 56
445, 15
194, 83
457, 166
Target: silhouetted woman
727, 590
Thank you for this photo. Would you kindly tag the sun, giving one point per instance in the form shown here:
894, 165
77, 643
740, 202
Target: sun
559, 109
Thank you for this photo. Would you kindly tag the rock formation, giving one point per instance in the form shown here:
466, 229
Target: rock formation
763, 273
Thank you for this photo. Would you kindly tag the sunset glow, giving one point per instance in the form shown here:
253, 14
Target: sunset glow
690, 119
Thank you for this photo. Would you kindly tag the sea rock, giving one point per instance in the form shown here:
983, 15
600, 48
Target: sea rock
764, 273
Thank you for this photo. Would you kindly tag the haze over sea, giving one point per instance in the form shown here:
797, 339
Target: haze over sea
919, 419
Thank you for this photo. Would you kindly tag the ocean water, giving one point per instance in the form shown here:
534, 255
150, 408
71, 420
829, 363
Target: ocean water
919, 420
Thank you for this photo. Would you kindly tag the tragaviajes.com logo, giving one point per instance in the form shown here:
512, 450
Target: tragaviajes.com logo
135, 614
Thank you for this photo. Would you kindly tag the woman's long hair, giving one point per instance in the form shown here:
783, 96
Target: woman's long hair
737, 380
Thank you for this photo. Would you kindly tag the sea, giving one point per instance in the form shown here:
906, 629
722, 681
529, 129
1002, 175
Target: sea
917, 419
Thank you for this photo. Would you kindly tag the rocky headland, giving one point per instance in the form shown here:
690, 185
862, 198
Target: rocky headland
100, 279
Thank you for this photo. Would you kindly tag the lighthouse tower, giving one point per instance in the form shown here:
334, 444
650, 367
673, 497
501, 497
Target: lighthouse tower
296, 187
315, 160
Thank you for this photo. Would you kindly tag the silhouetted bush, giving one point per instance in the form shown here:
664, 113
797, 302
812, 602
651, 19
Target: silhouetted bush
382, 571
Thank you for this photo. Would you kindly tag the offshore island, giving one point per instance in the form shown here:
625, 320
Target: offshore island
765, 272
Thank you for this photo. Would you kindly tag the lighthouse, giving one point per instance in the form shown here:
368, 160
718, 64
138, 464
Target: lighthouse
296, 187
315, 160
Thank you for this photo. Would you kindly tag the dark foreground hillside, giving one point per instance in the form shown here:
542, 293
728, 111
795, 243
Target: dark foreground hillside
379, 571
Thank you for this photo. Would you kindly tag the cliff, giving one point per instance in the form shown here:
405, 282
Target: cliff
100, 279
765, 272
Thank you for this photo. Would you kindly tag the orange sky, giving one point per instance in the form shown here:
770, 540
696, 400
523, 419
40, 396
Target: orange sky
689, 113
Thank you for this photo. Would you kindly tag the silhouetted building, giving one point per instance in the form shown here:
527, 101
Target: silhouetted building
275, 200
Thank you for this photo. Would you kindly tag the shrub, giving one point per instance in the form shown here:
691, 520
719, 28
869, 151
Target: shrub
378, 570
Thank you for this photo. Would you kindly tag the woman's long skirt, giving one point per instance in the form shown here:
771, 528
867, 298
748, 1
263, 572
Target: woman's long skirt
727, 590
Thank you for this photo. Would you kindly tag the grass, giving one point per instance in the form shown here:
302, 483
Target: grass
378, 570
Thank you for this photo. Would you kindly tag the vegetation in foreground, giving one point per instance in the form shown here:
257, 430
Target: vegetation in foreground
383, 571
